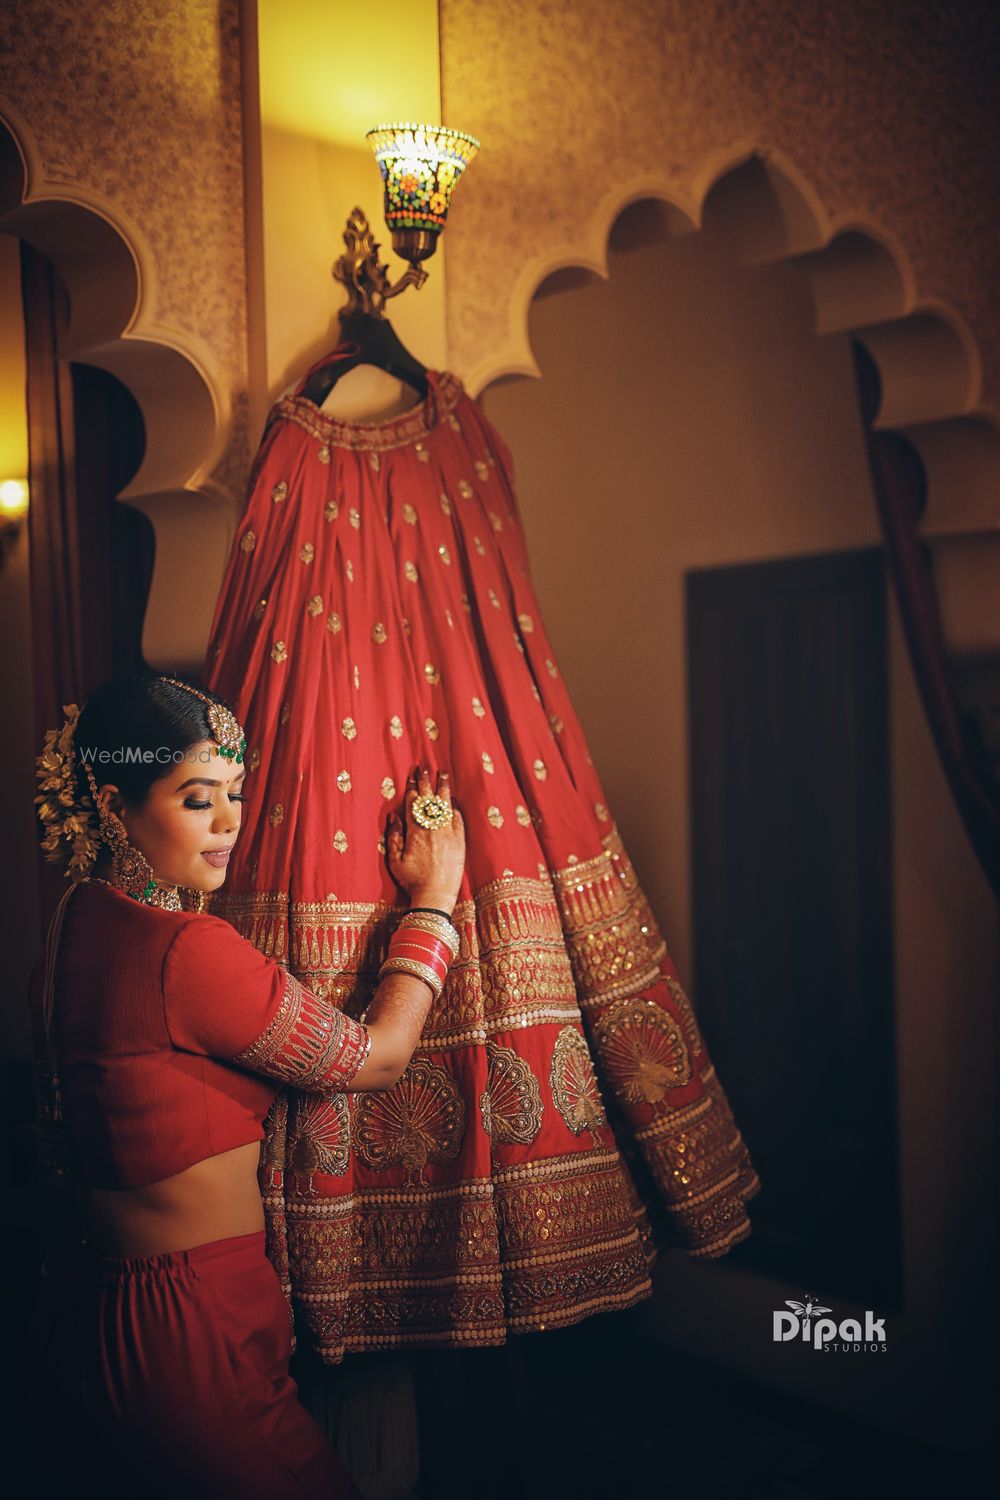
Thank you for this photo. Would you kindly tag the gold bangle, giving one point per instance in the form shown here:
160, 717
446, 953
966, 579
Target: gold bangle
414, 967
438, 927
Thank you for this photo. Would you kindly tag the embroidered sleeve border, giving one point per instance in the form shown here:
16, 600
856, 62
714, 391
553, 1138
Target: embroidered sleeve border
308, 1043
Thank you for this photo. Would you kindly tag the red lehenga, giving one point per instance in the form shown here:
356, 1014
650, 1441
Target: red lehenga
378, 611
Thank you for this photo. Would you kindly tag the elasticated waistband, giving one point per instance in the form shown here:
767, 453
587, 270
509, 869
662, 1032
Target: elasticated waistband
237, 1253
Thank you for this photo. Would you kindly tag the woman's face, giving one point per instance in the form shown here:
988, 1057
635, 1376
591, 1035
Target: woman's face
188, 820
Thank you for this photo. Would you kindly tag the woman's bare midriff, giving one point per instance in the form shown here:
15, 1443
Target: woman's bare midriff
214, 1199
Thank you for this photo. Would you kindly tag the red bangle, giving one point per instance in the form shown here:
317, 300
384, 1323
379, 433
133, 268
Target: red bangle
416, 937
436, 961
437, 949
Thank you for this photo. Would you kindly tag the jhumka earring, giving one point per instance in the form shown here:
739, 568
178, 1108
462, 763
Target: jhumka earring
130, 869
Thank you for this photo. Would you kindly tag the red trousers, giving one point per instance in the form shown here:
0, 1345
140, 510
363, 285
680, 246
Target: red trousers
169, 1374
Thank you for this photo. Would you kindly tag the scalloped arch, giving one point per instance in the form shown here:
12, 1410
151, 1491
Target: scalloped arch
861, 280
109, 271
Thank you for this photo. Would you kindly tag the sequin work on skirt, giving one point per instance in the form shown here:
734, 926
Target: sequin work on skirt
561, 1116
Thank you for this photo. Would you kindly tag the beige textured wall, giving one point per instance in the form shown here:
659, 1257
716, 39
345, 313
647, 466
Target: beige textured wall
327, 75
687, 417
887, 112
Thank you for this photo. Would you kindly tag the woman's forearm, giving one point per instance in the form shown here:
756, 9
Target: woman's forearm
395, 1018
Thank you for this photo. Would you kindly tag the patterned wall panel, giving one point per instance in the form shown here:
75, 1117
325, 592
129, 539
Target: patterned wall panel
886, 110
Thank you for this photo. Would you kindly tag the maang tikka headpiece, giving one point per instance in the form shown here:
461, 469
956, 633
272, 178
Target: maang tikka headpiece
225, 726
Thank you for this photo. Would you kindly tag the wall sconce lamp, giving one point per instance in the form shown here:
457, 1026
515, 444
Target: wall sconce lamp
13, 509
421, 166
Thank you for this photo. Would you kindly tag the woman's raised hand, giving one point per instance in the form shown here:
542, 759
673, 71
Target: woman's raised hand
427, 862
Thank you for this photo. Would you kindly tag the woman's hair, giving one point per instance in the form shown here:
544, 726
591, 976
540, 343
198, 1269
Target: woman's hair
130, 716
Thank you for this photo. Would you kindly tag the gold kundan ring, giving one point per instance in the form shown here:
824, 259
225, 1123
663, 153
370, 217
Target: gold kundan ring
431, 811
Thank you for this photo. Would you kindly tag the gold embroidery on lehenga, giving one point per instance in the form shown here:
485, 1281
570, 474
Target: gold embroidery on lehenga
521, 944
398, 432
689, 1025
643, 1050
574, 1086
511, 1104
420, 1120
321, 1139
249, 541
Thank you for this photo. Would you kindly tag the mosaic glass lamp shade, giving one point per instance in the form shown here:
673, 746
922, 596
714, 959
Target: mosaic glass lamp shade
420, 166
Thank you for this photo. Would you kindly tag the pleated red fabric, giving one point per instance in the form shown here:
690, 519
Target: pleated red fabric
378, 611
168, 1375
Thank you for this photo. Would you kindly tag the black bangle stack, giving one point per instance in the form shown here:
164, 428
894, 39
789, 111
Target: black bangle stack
435, 909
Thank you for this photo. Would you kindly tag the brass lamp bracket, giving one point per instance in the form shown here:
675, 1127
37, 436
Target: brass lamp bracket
364, 276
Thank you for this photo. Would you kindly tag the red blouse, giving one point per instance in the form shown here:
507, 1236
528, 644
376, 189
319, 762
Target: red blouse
170, 1034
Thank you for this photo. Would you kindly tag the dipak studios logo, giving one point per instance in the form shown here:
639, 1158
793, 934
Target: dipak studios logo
807, 1323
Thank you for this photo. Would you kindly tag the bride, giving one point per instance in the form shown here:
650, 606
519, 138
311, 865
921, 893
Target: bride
163, 1038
